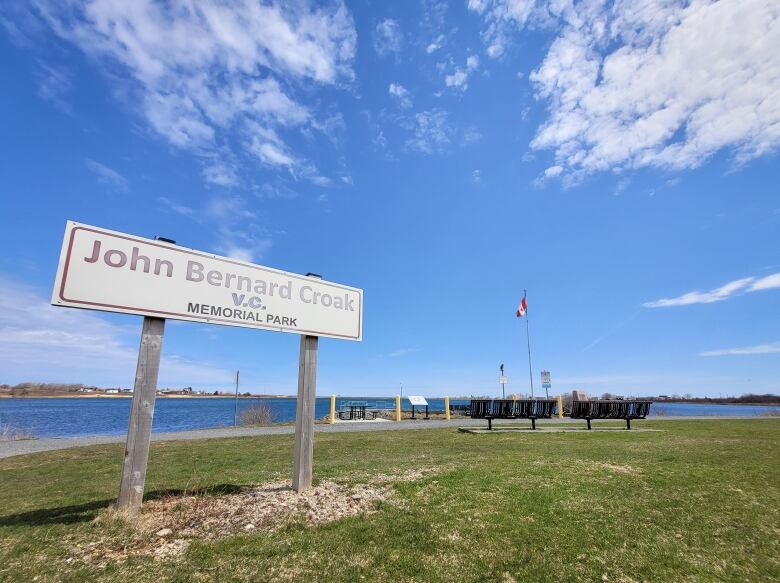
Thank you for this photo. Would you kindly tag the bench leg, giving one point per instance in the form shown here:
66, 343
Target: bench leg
628, 424
588, 420
533, 423
490, 424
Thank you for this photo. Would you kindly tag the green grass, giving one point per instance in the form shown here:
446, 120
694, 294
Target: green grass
698, 501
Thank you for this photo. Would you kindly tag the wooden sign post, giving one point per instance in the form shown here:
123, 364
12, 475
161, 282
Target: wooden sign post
139, 431
110, 271
303, 455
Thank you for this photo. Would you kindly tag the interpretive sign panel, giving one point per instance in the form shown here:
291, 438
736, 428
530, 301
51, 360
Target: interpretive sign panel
110, 271
546, 379
418, 401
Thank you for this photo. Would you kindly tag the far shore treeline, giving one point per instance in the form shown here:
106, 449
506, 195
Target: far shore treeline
32, 389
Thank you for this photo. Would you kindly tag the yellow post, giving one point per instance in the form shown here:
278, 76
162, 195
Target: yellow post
447, 408
333, 409
398, 407
560, 407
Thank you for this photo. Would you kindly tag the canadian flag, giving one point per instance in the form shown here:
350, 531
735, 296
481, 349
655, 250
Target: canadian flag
521, 309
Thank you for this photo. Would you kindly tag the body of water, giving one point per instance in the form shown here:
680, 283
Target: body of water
109, 416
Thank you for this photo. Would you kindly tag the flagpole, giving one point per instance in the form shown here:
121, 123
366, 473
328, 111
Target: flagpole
528, 338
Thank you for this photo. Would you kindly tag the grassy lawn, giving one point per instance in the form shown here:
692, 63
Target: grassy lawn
698, 501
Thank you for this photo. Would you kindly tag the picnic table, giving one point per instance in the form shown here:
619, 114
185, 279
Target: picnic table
355, 412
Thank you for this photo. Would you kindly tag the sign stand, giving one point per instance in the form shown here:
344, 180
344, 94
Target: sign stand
303, 455
116, 272
139, 431
419, 402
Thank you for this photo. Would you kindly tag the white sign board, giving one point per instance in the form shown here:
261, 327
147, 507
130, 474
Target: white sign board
415, 400
502, 380
546, 379
114, 272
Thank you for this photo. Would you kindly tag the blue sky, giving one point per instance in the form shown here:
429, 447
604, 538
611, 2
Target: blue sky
617, 159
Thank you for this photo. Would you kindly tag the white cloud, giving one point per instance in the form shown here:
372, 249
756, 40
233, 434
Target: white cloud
176, 207
501, 18
387, 37
476, 176
773, 348
221, 174
432, 132
107, 176
401, 93
660, 84
732, 288
54, 83
40, 342
634, 84
768, 282
435, 45
204, 71
459, 78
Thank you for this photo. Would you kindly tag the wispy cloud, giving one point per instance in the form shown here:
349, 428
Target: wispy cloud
773, 348
107, 176
238, 228
435, 45
70, 345
176, 207
388, 38
205, 75
724, 292
54, 83
768, 282
401, 94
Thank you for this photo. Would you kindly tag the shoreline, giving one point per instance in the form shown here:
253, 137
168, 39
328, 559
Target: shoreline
264, 396
37, 445
130, 395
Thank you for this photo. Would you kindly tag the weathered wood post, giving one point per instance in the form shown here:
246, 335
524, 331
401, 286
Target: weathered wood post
303, 456
332, 409
139, 430
398, 407
560, 407
447, 408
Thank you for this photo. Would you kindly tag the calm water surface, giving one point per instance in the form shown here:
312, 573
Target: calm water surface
108, 416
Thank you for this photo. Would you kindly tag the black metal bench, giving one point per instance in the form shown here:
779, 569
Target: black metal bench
532, 409
610, 409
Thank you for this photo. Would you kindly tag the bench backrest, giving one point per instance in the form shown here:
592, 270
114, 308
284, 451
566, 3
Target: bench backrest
509, 408
609, 409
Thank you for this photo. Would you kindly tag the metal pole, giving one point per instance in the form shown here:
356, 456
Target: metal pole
528, 337
235, 405
501, 381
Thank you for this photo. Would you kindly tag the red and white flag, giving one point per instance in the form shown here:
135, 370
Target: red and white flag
521, 309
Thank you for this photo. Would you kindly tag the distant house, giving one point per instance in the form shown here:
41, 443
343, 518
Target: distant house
112, 391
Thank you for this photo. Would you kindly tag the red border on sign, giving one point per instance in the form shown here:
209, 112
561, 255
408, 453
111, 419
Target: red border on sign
189, 317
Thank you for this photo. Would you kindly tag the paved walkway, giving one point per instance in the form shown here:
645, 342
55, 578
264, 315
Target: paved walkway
13, 448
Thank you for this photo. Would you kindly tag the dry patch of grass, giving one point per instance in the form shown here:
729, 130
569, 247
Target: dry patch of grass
169, 524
